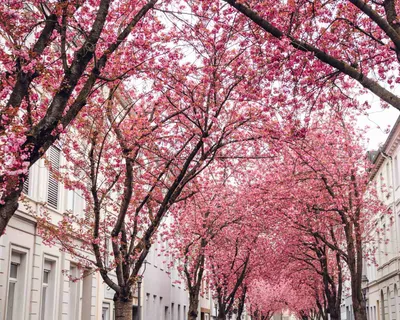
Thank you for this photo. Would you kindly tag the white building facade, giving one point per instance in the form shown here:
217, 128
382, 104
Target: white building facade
382, 277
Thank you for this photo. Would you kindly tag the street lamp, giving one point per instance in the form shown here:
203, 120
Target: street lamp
364, 287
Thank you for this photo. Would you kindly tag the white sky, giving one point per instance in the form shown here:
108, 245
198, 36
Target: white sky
378, 121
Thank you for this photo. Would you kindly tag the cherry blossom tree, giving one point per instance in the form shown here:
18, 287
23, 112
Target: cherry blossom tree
197, 222
230, 263
52, 73
56, 56
356, 38
134, 161
314, 255
323, 183
269, 297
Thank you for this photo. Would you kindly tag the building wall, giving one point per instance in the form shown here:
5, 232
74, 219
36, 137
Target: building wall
164, 294
383, 273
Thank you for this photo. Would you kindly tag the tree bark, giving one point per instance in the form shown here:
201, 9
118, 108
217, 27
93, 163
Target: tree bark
242, 300
221, 314
10, 201
334, 314
354, 261
356, 297
123, 307
193, 306
332, 289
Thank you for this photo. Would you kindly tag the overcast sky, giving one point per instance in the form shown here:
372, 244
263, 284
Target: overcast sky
379, 121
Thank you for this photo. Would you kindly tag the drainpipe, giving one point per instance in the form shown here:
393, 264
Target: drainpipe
386, 156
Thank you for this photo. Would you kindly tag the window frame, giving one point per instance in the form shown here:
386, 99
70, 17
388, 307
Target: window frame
74, 293
106, 306
48, 311
18, 256
396, 172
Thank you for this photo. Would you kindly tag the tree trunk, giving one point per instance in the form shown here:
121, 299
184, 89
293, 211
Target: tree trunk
242, 300
123, 308
193, 306
334, 313
221, 314
333, 307
355, 268
354, 262
358, 309
10, 200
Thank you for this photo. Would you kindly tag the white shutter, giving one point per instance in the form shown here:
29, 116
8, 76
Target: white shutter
53, 185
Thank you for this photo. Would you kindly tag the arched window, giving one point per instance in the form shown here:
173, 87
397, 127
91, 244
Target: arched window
382, 306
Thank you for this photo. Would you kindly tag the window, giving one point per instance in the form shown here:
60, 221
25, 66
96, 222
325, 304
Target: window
74, 293
179, 312
75, 202
53, 184
172, 311
13, 281
388, 175
16, 279
71, 200
184, 312
396, 172
154, 306
166, 256
105, 313
166, 313
384, 239
87, 287
147, 304
48, 292
388, 179
155, 248
45, 286
159, 313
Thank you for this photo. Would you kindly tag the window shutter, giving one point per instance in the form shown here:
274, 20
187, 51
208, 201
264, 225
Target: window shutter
25, 188
53, 186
